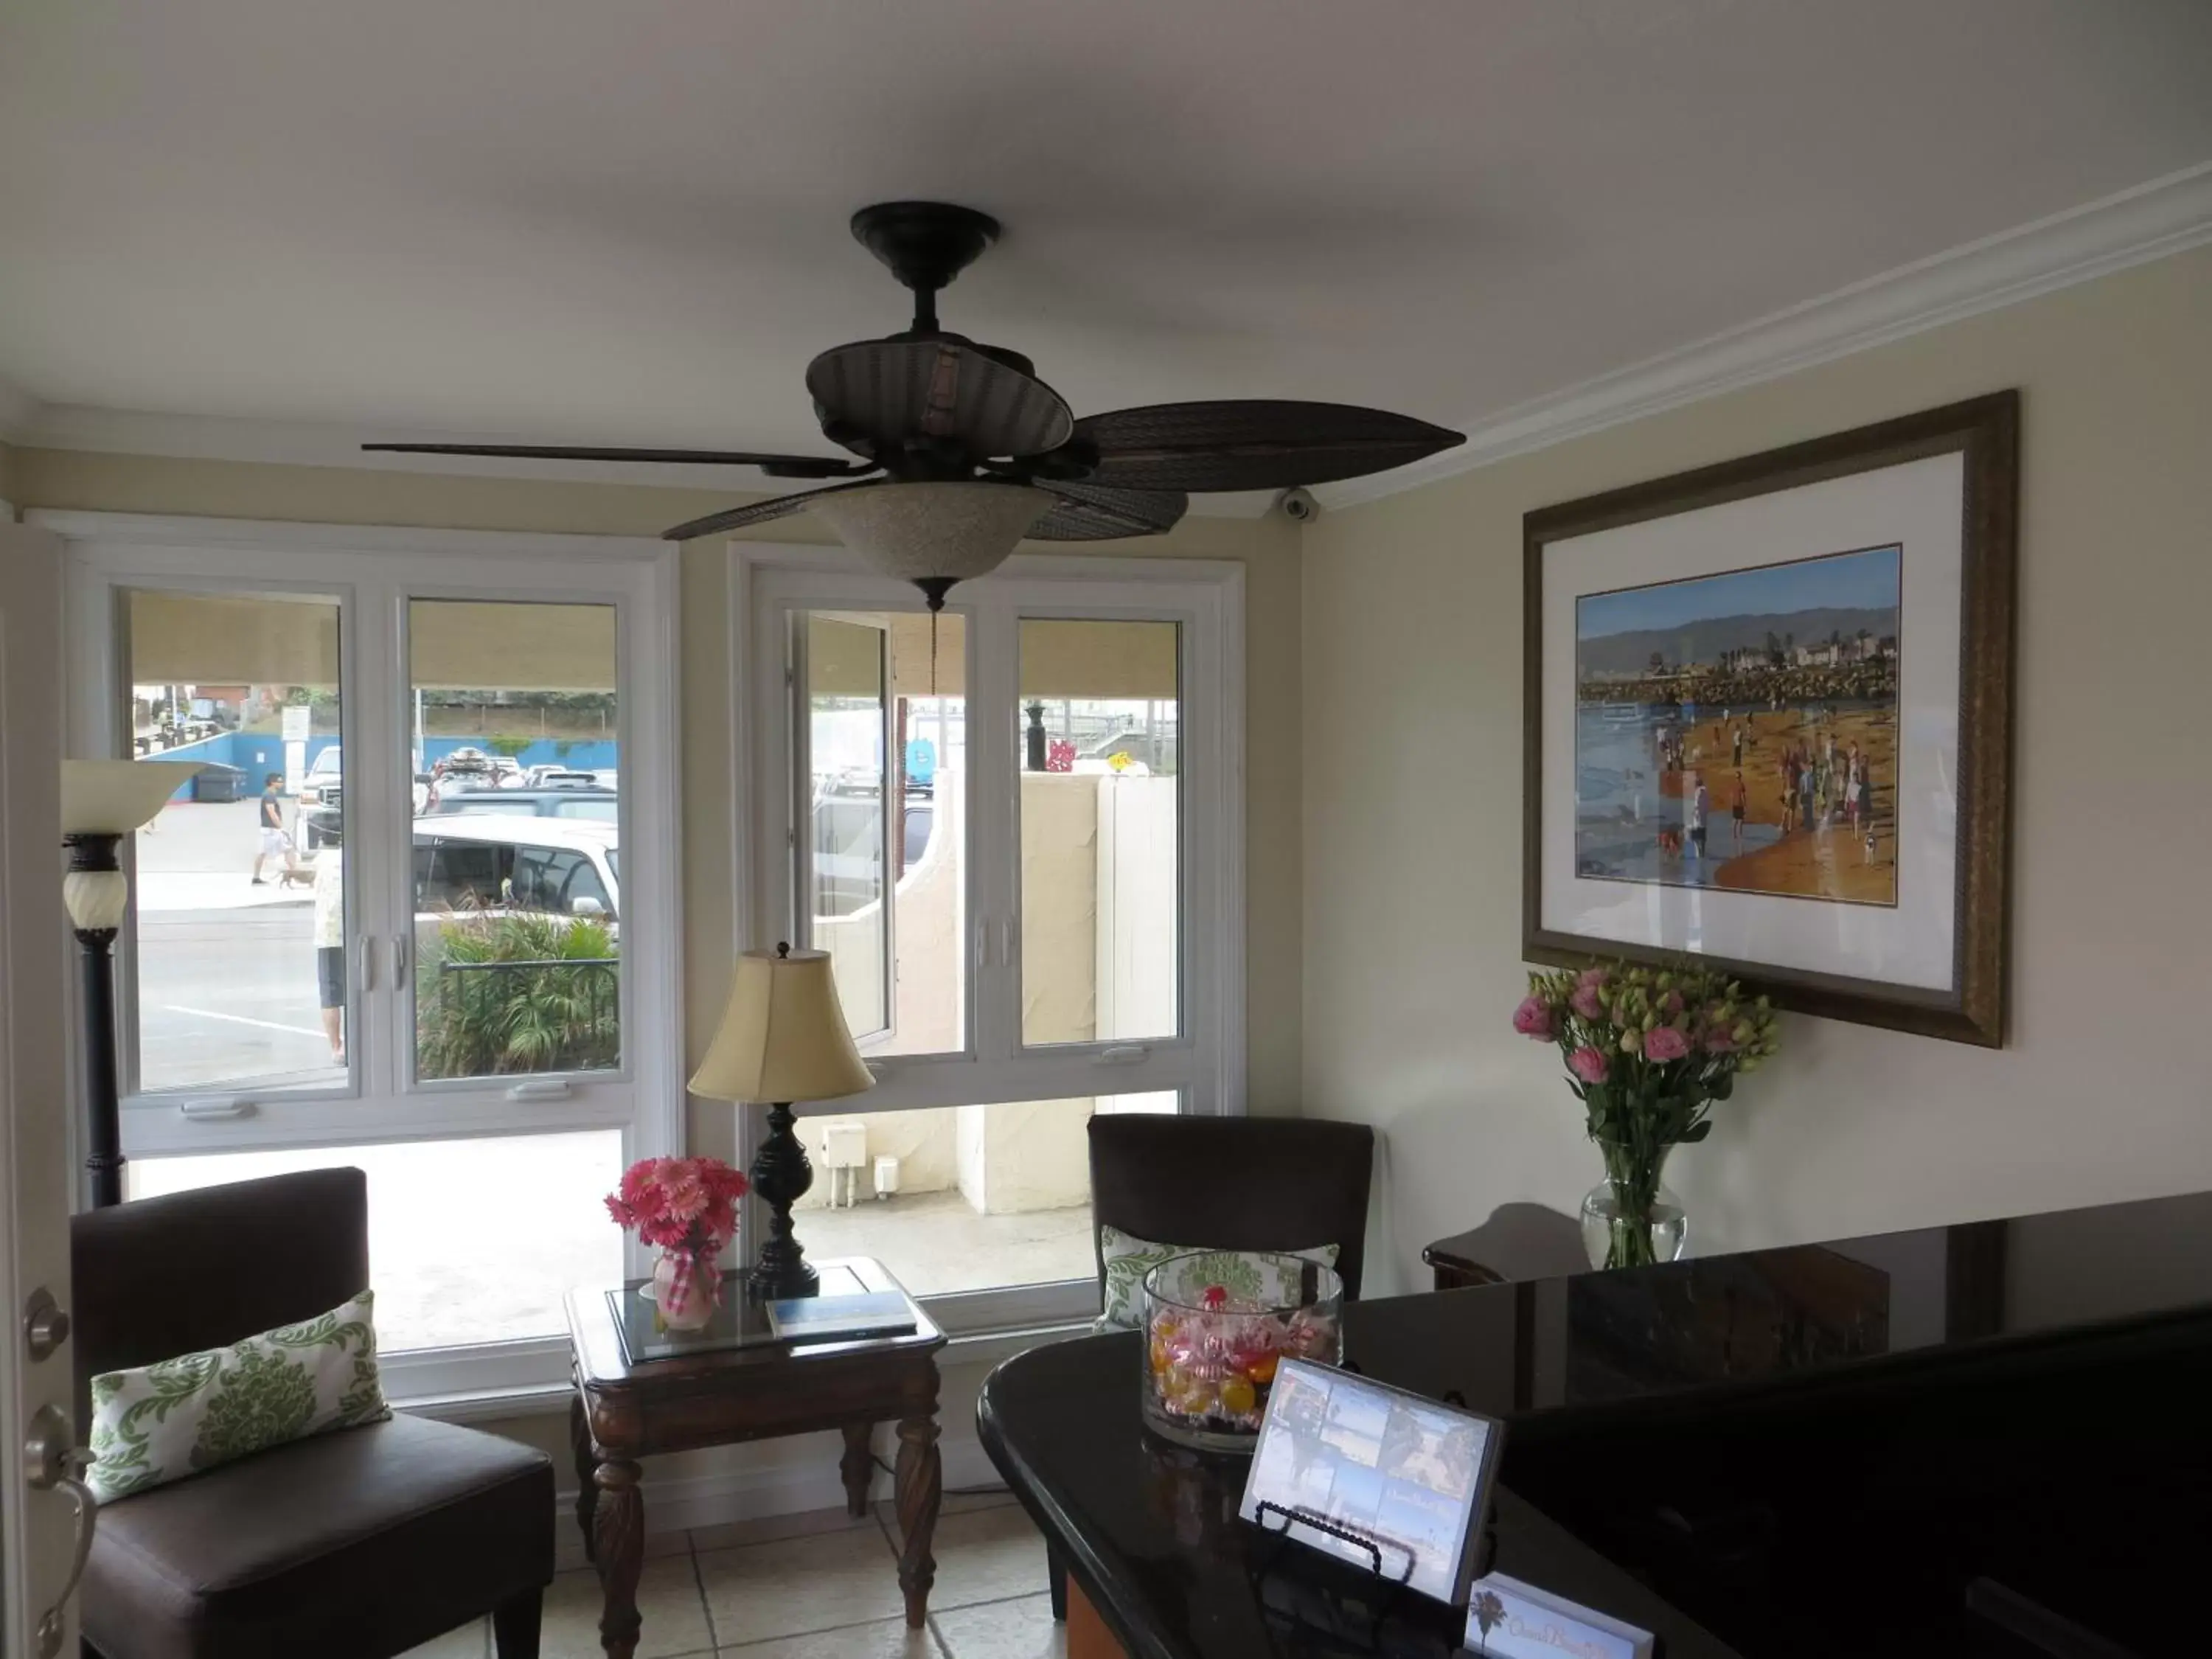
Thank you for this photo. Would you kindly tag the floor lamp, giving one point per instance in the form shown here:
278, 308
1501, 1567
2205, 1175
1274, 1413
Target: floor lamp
782, 1039
103, 801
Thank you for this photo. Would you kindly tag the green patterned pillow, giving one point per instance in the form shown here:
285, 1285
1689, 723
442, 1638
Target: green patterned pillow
165, 1421
1129, 1258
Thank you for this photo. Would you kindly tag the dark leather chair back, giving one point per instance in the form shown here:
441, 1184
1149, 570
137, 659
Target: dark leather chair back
1234, 1183
166, 1276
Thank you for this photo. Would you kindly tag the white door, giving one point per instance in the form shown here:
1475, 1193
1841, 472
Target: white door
37, 1523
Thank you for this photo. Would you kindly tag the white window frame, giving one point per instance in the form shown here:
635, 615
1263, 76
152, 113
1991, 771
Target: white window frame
374, 571
1205, 1062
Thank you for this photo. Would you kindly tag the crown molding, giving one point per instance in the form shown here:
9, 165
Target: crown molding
311, 443
2165, 216
324, 443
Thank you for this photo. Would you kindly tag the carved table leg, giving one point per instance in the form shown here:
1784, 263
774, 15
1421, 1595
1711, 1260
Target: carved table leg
587, 1465
618, 1546
858, 1466
921, 1489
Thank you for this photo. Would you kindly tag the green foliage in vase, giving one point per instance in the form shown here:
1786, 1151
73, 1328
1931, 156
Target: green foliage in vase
554, 1009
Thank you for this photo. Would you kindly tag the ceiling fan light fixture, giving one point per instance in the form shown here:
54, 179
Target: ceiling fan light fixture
934, 534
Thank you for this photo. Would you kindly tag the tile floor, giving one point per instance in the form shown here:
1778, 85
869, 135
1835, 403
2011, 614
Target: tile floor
816, 1586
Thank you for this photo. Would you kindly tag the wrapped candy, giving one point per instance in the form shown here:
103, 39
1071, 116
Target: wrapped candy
1217, 1328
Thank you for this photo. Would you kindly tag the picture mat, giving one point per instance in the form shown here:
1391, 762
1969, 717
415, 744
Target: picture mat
1915, 505
1410, 1472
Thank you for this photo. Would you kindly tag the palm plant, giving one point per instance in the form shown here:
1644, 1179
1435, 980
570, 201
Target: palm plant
509, 993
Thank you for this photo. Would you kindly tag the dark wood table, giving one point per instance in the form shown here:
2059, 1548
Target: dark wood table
628, 1407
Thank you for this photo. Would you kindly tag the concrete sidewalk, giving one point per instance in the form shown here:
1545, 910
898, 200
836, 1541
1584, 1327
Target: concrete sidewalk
199, 856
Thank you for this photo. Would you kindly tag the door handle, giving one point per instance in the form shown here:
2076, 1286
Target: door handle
366, 949
402, 944
52, 1461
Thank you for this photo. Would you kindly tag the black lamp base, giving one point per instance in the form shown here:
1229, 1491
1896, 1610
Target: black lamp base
781, 1176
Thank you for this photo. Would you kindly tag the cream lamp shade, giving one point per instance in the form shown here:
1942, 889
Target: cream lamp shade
783, 1037
117, 797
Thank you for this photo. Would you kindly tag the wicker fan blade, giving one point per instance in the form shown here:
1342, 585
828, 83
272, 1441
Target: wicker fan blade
1252, 444
776, 506
881, 397
777, 466
1095, 512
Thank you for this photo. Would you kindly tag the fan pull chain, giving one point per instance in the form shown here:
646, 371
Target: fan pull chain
932, 655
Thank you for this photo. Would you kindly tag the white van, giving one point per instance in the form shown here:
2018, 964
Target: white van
492, 861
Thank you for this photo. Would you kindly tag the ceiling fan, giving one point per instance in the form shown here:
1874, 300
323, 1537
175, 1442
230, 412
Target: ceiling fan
962, 451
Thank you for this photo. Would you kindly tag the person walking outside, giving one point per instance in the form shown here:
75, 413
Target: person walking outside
330, 937
1739, 800
275, 843
1700, 802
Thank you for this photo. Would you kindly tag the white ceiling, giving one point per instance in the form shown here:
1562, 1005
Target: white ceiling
567, 221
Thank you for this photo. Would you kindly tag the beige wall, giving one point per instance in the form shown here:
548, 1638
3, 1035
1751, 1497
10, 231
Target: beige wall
1411, 757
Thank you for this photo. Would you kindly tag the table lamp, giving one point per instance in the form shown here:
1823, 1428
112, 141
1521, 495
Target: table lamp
782, 1039
103, 801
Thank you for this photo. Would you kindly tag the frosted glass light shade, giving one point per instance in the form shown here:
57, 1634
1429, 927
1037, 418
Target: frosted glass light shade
783, 1035
116, 797
95, 899
954, 531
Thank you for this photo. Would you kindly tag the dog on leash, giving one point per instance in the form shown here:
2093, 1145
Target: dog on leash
296, 875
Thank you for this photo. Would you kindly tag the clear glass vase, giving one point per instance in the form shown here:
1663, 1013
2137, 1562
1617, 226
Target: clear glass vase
1630, 1220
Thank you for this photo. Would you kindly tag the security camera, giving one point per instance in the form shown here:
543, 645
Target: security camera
1299, 504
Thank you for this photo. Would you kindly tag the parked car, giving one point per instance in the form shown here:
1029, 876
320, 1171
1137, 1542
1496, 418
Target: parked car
508, 862
558, 777
322, 798
592, 805
848, 852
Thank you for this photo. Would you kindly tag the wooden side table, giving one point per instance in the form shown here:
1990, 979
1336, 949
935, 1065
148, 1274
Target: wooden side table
628, 1407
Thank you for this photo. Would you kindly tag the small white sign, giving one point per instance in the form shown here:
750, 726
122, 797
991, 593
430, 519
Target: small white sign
1509, 1620
297, 717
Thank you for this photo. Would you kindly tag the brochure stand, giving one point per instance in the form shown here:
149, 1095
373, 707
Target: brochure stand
1318, 1606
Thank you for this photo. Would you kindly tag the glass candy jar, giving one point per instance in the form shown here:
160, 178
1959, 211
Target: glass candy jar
1216, 1325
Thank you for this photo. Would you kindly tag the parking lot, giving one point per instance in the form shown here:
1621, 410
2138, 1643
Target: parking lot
225, 981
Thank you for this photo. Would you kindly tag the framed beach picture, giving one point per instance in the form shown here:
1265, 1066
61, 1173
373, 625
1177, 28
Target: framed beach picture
1769, 721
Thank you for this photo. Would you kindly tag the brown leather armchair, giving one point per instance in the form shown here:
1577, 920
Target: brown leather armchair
1228, 1183
357, 1545
1234, 1183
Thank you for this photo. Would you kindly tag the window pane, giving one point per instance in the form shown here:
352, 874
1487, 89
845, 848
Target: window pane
469, 1241
980, 1198
886, 715
242, 932
516, 866
1100, 808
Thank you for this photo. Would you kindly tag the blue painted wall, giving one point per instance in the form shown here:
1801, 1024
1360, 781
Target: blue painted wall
259, 753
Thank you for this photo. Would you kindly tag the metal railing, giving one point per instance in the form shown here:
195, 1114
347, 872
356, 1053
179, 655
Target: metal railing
559, 1014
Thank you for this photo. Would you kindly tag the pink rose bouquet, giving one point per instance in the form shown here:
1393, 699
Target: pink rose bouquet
688, 1206
1648, 1051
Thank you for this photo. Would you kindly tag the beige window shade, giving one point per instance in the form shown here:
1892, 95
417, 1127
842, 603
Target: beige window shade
197, 639
1059, 659
511, 646
1098, 659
